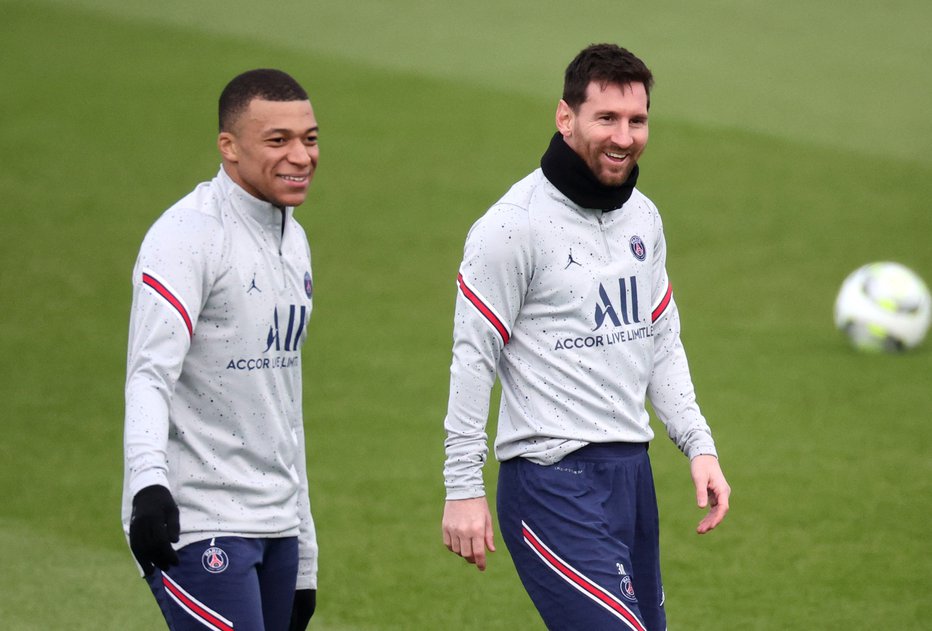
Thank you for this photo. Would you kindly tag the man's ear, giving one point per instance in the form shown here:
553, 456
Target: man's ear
564, 118
226, 143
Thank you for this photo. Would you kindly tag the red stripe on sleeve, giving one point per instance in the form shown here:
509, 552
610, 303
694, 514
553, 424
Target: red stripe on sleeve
161, 290
483, 309
663, 304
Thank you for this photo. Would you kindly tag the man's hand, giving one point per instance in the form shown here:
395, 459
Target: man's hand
711, 490
467, 529
153, 527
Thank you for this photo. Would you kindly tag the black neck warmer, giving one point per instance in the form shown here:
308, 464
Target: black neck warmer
573, 177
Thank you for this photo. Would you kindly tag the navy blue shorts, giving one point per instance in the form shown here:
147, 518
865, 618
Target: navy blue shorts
584, 537
229, 583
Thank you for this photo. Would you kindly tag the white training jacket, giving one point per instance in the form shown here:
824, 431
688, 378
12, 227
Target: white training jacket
573, 310
221, 299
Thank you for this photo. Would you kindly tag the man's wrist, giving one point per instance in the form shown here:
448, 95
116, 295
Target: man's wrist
454, 495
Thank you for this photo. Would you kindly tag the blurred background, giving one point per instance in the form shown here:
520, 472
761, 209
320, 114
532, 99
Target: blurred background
788, 147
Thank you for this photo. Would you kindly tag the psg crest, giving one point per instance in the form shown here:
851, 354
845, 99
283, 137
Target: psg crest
627, 588
308, 285
215, 560
638, 249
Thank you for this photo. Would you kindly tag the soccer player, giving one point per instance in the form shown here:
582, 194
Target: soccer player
564, 296
215, 500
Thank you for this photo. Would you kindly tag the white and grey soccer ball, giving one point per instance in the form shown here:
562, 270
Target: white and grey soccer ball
883, 307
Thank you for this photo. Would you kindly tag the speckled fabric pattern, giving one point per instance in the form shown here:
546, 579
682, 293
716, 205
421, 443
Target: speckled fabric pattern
222, 294
571, 308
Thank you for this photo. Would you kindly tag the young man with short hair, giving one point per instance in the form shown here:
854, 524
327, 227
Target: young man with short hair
215, 501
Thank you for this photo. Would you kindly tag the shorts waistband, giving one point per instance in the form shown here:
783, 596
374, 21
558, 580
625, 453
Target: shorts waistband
607, 451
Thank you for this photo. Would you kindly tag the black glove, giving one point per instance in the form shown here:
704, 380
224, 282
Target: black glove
153, 527
305, 601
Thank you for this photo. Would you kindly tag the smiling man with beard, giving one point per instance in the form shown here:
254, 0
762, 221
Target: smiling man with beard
575, 252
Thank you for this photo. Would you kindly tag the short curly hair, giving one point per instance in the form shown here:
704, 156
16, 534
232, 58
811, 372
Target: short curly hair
267, 84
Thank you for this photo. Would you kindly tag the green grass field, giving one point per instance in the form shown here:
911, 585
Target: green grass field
789, 146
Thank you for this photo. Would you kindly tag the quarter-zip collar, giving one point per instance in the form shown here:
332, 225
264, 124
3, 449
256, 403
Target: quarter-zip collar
570, 174
268, 216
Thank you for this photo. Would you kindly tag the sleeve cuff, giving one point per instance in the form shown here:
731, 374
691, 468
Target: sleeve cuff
148, 478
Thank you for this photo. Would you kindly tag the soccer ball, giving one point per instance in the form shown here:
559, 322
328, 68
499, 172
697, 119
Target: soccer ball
883, 307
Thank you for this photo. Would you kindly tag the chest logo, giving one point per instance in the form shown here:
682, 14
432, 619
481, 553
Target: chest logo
571, 261
297, 318
638, 249
627, 304
253, 286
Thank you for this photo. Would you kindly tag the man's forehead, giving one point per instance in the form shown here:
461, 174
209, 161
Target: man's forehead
606, 93
599, 88
280, 114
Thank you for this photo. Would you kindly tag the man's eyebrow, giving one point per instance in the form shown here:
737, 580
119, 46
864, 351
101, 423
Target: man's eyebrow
287, 132
612, 112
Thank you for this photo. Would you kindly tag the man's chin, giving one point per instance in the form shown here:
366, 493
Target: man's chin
614, 179
288, 200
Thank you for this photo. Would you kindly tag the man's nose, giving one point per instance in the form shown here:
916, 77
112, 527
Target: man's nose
300, 154
621, 135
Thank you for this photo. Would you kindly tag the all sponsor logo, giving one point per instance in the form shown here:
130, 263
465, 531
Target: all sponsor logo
284, 334
616, 317
296, 321
605, 309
